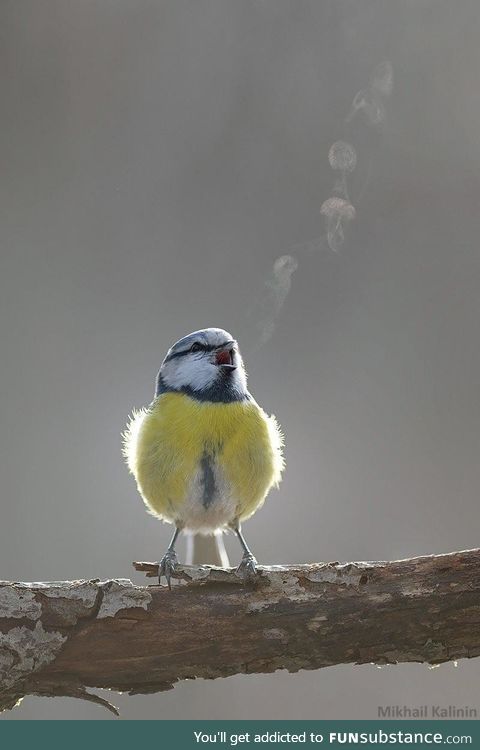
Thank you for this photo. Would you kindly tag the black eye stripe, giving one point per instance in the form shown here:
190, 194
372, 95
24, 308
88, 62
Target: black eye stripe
176, 355
206, 347
203, 348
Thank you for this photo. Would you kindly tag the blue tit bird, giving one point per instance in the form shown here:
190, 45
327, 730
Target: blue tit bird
204, 454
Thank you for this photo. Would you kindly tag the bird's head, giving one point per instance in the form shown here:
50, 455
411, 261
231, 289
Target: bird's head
206, 365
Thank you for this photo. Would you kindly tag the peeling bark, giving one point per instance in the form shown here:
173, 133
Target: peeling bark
64, 637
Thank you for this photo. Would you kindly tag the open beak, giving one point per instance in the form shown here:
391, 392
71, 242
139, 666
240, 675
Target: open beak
224, 359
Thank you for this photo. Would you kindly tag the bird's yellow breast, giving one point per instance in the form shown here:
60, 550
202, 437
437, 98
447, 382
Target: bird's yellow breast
201, 463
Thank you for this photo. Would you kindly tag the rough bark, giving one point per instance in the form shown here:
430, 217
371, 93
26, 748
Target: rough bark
61, 638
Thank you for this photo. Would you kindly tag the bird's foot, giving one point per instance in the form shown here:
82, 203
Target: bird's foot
167, 566
248, 567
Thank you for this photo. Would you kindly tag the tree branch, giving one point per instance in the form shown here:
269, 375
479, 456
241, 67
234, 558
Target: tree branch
60, 638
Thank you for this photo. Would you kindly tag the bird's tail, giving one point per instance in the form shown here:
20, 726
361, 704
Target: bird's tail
206, 550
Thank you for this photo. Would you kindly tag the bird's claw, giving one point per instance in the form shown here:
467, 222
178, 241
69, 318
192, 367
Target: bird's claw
248, 567
167, 566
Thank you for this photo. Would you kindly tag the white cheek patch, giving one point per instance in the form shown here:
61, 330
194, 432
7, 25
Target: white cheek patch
195, 372
199, 373
240, 378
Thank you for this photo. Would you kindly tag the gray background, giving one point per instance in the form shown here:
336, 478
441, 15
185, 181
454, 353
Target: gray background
156, 157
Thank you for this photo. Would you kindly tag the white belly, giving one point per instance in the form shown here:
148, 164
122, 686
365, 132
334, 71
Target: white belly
210, 502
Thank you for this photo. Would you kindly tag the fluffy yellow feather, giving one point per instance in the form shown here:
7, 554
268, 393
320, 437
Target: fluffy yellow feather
165, 444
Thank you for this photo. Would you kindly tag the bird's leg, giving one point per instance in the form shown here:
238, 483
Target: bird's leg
168, 562
248, 566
